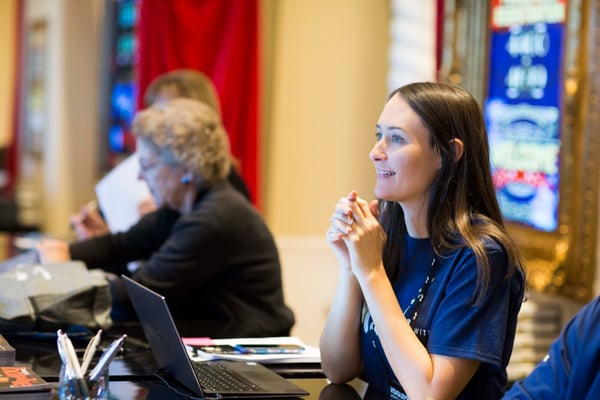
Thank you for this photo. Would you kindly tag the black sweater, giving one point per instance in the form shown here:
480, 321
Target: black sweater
218, 266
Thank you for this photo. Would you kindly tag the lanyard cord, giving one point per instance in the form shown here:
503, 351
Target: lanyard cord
420, 295
418, 299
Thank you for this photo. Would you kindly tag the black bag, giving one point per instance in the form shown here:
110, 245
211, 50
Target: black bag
36, 297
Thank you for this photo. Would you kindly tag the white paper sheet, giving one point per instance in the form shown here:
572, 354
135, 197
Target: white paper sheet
310, 354
119, 194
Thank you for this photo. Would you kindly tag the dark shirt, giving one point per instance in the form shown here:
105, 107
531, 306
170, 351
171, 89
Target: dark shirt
238, 183
448, 322
218, 266
571, 368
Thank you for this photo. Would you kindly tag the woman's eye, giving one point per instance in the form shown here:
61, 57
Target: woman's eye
378, 136
397, 139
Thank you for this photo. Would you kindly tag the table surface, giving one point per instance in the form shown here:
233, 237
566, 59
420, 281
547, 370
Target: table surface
318, 388
133, 372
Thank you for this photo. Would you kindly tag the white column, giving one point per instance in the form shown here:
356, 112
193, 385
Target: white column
62, 177
412, 48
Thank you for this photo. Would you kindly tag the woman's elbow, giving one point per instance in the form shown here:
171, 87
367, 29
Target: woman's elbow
336, 376
340, 372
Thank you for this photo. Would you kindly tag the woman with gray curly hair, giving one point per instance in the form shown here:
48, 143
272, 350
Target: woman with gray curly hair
187, 137
217, 265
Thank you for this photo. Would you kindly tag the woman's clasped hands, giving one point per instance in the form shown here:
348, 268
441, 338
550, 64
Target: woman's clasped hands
355, 234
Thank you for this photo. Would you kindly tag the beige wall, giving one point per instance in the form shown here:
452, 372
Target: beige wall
326, 85
7, 54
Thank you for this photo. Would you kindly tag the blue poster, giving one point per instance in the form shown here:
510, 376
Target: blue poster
523, 118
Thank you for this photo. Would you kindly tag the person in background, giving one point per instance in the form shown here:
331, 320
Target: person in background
430, 283
186, 83
218, 264
192, 84
571, 369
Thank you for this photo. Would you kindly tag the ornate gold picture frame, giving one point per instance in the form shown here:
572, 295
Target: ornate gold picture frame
562, 261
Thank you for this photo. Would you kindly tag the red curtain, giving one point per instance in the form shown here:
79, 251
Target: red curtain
219, 38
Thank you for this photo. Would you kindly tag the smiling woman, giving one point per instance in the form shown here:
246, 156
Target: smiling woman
406, 162
430, 284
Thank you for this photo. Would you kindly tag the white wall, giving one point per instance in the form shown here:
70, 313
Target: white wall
413, 40
309, 278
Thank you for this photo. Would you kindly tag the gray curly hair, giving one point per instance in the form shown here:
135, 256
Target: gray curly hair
189, 133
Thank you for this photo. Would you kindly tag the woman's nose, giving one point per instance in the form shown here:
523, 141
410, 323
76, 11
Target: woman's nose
378, 152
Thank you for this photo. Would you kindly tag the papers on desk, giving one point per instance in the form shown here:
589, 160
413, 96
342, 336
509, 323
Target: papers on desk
7, 352
202, 349
119, 194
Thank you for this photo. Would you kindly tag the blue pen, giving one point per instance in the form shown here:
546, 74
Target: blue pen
106, 358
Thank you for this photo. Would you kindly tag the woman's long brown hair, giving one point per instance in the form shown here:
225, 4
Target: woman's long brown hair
463, 210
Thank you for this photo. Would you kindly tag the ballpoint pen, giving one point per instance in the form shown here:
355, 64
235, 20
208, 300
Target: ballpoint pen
61, 347
73, 369
90, 350
106, 358
90, 207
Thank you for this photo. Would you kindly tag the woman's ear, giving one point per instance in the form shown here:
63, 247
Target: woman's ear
459, 148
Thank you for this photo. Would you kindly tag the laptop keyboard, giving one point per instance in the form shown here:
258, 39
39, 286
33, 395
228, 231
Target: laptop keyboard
218, 377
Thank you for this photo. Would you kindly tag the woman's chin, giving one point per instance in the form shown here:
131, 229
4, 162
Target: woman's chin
381, 193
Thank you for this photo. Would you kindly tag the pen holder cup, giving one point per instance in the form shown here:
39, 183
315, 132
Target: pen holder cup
74, 389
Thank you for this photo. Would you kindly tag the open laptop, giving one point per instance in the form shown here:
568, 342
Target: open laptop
252, 380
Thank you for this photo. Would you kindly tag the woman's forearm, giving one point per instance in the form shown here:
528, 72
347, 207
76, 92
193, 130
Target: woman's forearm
339, 344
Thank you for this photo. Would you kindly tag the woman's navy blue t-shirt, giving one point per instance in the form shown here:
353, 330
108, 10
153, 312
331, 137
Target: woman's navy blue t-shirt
449, 323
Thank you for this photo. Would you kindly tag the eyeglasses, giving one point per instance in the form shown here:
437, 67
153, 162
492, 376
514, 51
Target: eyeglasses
147, 166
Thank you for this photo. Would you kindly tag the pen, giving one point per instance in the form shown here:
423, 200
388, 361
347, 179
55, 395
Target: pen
106, 358
138, 343
90, 207
61, 348
90, 350
73, 368
84, 214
